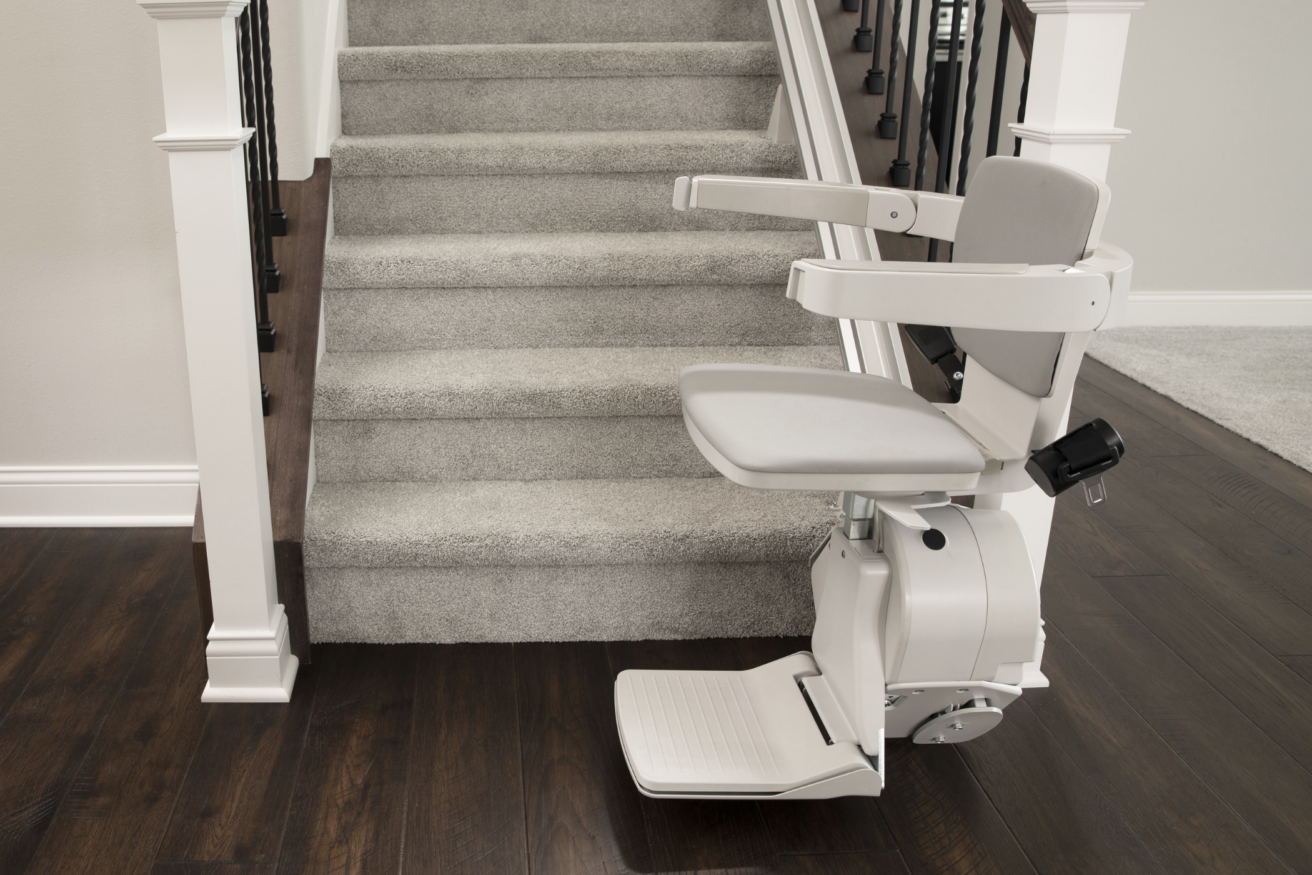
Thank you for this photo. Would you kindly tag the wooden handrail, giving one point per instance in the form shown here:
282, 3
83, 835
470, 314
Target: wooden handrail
1022, 24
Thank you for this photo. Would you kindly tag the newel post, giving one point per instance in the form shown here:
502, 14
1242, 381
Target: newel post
248, 655
1075, 79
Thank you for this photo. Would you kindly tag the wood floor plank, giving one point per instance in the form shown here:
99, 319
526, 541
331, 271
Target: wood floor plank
212, 869
1240, 763
1263, 688
235, 799
582, 809
114, 817
1265, 615
691, 835
941, 818
34, 610
1141, 432
1273, 511
1300, 665
18, 549
871, 863
1167, 806
1278, 474
54, 722
1061, 821
1270, 558
1097, 548
348, 812
466, 808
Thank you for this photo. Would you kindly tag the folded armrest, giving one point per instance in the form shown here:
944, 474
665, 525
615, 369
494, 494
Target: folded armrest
865, 206
1008, 297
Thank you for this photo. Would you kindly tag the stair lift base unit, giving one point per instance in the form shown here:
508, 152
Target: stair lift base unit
925, 639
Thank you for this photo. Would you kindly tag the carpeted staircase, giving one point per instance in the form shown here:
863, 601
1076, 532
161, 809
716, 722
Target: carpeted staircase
499, 446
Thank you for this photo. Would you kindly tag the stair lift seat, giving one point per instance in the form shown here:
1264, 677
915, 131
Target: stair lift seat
927, 612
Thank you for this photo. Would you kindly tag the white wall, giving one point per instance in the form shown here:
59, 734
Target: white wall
95, 419
92, 364
1210, 191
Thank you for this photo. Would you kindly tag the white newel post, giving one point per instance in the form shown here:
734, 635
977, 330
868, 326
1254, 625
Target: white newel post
1070, 119
248, 655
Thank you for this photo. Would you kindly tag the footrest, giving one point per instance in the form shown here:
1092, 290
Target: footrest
734, 733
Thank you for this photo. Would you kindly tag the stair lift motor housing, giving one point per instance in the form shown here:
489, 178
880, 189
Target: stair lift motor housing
911, 640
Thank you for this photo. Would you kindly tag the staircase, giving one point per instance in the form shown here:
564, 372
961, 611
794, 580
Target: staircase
500, 452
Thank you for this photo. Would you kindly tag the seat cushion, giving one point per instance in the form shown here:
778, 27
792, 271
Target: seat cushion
811, 421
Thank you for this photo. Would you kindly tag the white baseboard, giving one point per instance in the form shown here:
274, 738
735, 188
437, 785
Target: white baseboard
1219, 308
98, 497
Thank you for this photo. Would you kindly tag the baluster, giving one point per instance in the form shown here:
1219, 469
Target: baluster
875, 75
277, 215
972, 84
947, 129
888, 118
266, 334
999, 84
1024, 95
272, 277
927, 101
863, 42
900, 173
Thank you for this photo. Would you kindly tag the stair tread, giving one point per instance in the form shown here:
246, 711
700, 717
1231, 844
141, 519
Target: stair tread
557, 60
560, 522
649, 258
561, 152
591, 381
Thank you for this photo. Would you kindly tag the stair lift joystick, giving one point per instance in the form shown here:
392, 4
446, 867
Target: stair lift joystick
927, 612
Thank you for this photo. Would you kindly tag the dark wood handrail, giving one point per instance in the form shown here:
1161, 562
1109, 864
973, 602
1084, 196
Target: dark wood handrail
1022, 24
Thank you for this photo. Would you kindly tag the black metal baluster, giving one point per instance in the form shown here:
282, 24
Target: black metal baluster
875, 75
999, 85
272, 277
888, 118
1024, 95
900, 172
265, 333
927, 101
972, 85
277, 215
863, 42
947, 129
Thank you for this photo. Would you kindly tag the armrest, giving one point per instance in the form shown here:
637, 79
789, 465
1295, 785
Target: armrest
884, 209
1007, 297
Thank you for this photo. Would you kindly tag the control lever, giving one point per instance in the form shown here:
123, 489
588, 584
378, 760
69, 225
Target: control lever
1080, 457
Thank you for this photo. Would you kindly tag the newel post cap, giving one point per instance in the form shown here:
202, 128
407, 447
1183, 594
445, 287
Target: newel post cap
1041, 7
162, 9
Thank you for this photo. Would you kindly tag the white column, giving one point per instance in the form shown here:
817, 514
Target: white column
248, 654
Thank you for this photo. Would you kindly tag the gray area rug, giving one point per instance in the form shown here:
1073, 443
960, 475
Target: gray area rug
1253, 381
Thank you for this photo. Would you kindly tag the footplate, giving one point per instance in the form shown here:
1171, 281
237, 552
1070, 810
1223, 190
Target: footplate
730, 734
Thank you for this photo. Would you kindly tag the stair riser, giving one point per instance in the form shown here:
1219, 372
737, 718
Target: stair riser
397, 319
645, 103
506, 449
528, 203
391, 23
560, 603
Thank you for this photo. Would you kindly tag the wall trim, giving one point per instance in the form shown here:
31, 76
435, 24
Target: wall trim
98, 496
1253, 309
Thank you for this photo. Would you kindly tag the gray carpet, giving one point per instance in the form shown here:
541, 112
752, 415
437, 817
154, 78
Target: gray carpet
1253, 381
499, 444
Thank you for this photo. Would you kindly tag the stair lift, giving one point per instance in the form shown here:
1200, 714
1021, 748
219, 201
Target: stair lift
927, 612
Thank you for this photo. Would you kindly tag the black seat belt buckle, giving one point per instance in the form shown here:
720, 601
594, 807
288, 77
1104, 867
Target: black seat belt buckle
1080, 457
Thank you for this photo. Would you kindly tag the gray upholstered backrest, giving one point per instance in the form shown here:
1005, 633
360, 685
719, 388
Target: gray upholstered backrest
1031, 212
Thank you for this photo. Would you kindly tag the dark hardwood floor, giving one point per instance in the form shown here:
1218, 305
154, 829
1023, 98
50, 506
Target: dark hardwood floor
1174, 738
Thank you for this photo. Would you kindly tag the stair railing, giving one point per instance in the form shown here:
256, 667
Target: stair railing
267, 217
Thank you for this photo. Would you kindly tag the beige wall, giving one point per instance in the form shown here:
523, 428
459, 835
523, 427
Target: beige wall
92, 363
93, 367
1210, 191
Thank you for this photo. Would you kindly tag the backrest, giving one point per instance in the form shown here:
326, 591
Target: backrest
1019, 210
